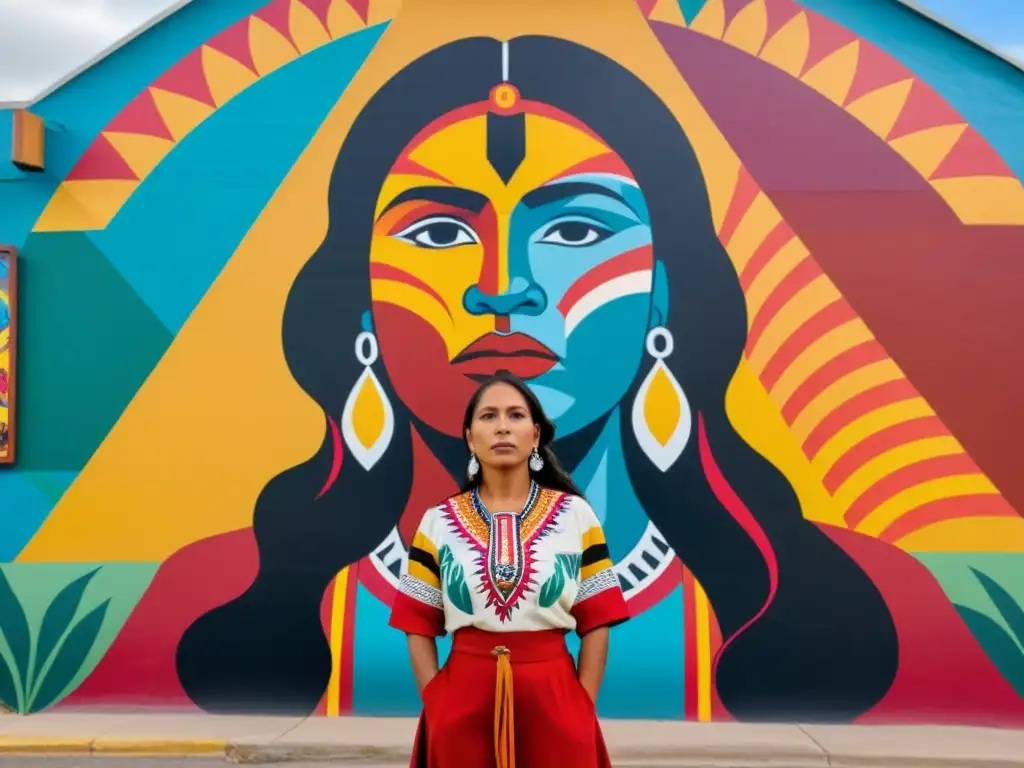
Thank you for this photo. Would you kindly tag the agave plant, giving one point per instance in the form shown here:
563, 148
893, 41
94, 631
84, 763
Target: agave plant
1006, 649
39, 667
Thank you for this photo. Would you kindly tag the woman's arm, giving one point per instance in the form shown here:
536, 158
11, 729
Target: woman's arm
593, 658
423, 656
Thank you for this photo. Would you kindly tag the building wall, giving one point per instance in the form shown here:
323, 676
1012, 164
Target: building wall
236, 387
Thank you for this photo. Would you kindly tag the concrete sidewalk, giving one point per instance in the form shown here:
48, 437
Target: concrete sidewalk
632, 743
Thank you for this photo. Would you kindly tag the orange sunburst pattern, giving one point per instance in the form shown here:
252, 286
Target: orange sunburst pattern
881, 452
873, 87
151, 125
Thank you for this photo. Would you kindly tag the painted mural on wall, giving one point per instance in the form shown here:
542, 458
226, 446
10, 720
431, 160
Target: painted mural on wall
8, 342
733, 246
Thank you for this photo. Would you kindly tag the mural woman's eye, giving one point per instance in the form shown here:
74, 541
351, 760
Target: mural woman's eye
574, 234
439, 232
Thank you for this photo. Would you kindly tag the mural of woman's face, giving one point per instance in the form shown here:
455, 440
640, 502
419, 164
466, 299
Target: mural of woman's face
516, 241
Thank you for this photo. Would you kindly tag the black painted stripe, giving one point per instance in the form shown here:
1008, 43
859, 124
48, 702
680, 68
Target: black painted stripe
425, 559
595, 553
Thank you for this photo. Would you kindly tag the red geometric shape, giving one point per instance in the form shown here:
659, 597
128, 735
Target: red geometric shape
234, 42
646, 6
924, 109
101, 162
875, 69
187, 78
826, 37
141, 116
320, 7
742, 198
276, 15
972, 156
779, 13
361, 7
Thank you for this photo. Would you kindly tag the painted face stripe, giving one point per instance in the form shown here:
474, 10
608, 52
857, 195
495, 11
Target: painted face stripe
636, 260
394, 274
626, 285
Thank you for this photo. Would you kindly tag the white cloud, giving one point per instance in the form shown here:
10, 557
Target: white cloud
43, 40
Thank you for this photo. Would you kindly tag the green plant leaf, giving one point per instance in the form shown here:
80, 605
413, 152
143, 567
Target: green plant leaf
552, 589
998, 644
1004, 602
59, 615
8, 690
571, 564
70, 657
14, 626
455, 588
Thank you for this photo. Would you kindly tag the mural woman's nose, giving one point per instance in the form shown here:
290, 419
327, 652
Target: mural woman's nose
523, 297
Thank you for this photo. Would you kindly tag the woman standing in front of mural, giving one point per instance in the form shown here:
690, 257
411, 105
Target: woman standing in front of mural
517, 217
509, 566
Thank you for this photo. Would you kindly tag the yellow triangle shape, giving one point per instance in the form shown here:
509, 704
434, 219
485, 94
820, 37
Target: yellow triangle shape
669, 12
201, 438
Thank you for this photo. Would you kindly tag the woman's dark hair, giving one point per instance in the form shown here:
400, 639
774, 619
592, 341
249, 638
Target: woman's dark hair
806, 633
552, 475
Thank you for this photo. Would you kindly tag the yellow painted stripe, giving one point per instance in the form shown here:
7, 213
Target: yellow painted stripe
882, 466
810, 299
773, 273
703, 635
410, 298
748, 28
984, 199
880, 109
711, 20
912, 498
838, 393
788, 47
870, 424
833, 75
968, 534
925, 150
337, 641
820, 352
759, 220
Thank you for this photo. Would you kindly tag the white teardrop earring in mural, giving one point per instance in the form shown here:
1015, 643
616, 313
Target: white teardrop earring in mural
367, 422
661, 413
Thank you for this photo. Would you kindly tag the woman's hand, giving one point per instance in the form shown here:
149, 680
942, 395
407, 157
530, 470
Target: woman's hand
593, 658
423, 656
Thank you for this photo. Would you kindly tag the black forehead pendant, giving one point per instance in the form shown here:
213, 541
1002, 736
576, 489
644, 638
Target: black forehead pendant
506, 143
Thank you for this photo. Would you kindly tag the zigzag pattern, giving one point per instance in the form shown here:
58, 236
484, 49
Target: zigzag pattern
888, 461
150, 126
871, 86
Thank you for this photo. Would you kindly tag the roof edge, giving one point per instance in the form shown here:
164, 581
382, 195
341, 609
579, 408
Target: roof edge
96, 59
914, 6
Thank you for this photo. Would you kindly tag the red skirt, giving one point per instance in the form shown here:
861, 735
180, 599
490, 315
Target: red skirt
549, 718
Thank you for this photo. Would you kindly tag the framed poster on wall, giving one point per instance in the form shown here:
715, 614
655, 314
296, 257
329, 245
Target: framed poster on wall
8, 350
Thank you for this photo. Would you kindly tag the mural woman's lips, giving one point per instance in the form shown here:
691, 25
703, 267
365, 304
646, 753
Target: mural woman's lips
524, 356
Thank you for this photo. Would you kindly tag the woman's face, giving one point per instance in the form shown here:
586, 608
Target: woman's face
502, 433
516, 241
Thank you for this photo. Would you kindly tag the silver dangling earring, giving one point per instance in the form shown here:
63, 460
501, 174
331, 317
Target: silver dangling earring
473, 468
536, 461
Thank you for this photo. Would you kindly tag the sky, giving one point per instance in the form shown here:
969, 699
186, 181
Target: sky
43, 40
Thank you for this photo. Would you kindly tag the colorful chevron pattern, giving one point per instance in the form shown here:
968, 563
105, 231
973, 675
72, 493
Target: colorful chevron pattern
148, 128
872, 87
888, 461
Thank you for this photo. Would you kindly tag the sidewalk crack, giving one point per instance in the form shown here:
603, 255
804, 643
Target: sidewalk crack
818, 744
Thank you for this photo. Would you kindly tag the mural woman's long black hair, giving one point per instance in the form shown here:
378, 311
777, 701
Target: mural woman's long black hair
808, 636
